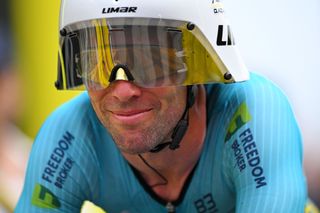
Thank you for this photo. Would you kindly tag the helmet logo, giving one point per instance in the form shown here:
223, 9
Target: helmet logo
217, 6
119, 10
225, 38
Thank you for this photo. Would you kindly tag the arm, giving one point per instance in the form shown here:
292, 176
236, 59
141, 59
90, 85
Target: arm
265, 152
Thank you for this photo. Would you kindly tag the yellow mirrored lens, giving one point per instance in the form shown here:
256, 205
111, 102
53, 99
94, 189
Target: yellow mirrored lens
154, 55
202, 62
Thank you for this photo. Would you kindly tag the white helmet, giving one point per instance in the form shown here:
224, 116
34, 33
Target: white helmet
154, 43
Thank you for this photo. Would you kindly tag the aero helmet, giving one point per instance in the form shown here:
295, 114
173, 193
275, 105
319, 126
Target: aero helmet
154, 43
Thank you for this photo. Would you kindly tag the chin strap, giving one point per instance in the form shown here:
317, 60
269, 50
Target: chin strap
181, 127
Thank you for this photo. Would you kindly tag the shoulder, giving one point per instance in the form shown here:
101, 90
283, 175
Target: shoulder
258, 88
258, 98
64, 151
75, 116
71, 112
258, 104
72, 127
259, 124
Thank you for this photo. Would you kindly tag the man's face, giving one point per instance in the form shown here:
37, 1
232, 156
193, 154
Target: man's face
138, 118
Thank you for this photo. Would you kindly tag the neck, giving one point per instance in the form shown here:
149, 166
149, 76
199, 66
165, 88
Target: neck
175, 165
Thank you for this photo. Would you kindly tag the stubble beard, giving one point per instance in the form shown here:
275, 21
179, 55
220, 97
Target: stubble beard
145, 139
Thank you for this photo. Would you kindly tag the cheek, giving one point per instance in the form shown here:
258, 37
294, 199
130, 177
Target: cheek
96, 97
173, 102
174, 96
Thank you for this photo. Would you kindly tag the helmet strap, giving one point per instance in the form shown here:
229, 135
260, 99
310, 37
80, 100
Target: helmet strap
182, 125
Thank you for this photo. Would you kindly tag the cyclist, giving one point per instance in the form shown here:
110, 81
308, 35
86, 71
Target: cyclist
170, 121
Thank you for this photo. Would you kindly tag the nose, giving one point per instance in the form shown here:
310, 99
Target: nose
124, 90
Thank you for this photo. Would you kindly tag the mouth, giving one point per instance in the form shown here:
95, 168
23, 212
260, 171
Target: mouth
131, 116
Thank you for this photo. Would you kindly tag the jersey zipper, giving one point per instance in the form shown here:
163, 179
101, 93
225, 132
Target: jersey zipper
170, 207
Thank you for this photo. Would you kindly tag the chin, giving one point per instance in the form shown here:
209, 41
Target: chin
135, 146
134, 150
138, 142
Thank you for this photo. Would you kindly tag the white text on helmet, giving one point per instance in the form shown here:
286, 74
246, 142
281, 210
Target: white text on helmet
119, 10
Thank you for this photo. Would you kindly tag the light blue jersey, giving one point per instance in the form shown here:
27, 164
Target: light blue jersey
251, 160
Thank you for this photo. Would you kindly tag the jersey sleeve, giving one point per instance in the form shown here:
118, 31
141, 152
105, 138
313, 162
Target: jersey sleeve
263, 150
62, 169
